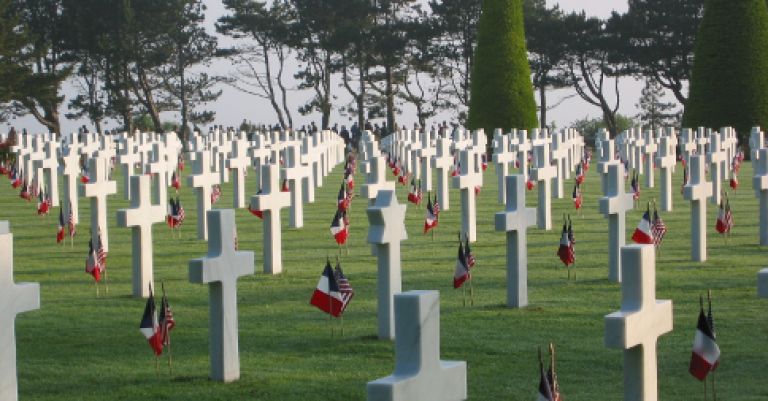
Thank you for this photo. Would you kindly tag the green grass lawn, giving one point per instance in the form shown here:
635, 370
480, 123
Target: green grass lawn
79, 347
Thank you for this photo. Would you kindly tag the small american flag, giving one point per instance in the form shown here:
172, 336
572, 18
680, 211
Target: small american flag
468, 253
166, 321
659, 228
101, 255
345, 289
215, 193
71, 221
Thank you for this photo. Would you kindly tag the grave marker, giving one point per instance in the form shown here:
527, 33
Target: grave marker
640, 322
614, 205
470, 178
697, 190
419, 373
543, 174
515, 220
666, 161
270, 201
220, 269
98, 188
386, 218
760, 184
202, 179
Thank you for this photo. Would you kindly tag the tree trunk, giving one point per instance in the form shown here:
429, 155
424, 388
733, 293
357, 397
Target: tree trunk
183, 97
543, 105
361, 99
390, 98
325, 102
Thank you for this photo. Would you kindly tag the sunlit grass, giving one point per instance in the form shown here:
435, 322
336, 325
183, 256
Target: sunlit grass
79, 347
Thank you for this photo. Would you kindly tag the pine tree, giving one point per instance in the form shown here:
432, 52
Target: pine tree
502, 94
654, 111
729, 81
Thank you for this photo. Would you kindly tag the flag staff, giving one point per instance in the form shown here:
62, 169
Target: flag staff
167, 337
712, 327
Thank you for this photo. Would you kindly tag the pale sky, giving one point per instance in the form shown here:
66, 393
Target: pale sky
233, 106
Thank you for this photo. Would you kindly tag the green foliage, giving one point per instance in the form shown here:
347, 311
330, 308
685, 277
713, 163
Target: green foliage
654, 111
81, 348
589, 126
730, 72
502, 94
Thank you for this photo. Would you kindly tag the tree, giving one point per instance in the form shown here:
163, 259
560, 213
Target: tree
356, 44
502, 95
589, 126
12, 71
591, 61
658, 38
455, 22
547, 39
44, 61
729, 84
269, 27
654, 112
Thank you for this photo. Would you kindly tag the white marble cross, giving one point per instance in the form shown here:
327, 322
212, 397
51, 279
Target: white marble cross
14, 299
69, 167
127, 159
614, 205
270, 201
426, 153
649, 149
470, 178
386, 219
443, 162
716, 161
515, 220
98, 188
543, 174
202, 179
220, 269
376, 179
157, 168
666, 162
640, 322
238, 163
522, 147
502, 157
419, 373
697, 190
47, 173
140, 217
559, 156
607, 156
295, 173
760, 184
756, 141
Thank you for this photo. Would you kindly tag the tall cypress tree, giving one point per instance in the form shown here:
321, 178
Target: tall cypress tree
502, 94
729, 84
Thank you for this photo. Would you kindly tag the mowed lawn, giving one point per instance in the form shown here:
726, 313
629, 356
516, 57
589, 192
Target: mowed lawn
80, 347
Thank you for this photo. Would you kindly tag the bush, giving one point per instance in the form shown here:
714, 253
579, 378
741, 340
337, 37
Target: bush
729, 83
501, 92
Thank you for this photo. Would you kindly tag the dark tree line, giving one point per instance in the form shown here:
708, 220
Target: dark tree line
132, 60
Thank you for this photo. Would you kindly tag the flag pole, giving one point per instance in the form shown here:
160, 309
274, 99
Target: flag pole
167, 335
709, 301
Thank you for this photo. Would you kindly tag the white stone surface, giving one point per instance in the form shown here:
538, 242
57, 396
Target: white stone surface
295, 173
386, 219
697, 191
14, 299
202, 179
760, 185
220, 269
69, 159
270, 201
515, 220
419, 373
502, 157
542, 173
614, 205
140, 217
443, 162
716, 161
762, 283
666, 162
98, 188
237, 164
640, 322
471, 176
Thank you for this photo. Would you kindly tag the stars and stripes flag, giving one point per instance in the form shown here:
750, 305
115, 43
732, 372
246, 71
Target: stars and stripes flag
101, 254
345, 289
60, 230
42, 204
461, 272
549, 389
150, 327
327, 296
659, 228
571, 238
545, 389
349, 178
468, 252
685, 179
84, 177
456, 166
342, 200
580, 173
577, 196
403, 177
166, 320
414, 194
71, 226
92, 265
705, 356
430, 217
339, 228
175, 213
24, 194
734, 182
215, 193
529, 184
285, 187
643, 232
175, 181
724, 217
484, 161
566, 251
635, 184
